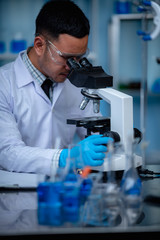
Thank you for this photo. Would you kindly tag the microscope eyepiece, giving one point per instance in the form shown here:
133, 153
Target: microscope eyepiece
72, 64
85, 63
82, 63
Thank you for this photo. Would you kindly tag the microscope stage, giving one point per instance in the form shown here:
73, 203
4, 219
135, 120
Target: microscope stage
92, 121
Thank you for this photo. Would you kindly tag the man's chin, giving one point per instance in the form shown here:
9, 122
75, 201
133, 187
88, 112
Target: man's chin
61, 78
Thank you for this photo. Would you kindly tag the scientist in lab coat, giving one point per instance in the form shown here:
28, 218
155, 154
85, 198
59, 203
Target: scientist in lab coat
30, 119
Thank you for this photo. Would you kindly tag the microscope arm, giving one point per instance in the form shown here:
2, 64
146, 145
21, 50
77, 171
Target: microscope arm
121, 106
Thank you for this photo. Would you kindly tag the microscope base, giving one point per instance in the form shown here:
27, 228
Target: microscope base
118, 163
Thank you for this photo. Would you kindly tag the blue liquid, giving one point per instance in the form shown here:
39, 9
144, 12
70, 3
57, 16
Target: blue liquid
71, 199
85, 190
131, 183
50, 203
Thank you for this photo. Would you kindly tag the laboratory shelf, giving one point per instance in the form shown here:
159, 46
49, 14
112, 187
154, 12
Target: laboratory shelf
8, 56
136, 93
131, 16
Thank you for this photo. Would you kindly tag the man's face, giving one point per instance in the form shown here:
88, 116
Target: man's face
52, 61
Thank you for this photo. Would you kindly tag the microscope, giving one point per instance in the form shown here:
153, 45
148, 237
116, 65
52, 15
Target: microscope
97, 85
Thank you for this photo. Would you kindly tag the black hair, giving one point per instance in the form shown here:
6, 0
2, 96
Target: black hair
62, 17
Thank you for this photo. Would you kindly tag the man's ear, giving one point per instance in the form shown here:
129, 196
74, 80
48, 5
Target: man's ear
39, 45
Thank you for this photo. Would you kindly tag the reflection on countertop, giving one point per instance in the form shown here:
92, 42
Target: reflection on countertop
18, 214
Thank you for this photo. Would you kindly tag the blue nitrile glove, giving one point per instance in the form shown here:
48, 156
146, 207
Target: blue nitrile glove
93, 151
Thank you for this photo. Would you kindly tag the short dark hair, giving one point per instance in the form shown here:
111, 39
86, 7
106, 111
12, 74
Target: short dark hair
62, 17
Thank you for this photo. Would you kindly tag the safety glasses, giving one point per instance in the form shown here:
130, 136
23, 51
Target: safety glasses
61, 58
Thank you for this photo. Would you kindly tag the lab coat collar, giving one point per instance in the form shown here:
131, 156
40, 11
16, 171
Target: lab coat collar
23, 75
24, 78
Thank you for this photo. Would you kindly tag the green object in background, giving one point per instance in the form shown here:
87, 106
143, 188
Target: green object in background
130, 85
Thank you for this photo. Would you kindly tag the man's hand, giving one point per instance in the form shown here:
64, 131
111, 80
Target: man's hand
93, 150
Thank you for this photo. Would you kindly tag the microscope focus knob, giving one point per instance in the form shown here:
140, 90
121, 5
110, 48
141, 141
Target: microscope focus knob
113, 135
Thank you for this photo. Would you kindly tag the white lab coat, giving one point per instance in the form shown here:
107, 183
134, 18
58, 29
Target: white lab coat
30, 123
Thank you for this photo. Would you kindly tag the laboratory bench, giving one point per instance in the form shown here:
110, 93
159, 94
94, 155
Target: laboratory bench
18, 217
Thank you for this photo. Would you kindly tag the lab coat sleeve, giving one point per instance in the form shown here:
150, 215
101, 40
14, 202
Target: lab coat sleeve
14, 154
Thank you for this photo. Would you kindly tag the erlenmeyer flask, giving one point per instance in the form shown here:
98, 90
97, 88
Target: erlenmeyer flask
111, 204
131, 187
71, 187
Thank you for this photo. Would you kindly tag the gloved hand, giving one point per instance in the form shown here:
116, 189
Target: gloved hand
92, 151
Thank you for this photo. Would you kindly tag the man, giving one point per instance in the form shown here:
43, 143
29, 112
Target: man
34, 136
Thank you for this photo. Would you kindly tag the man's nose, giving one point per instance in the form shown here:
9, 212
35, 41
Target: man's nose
67, 67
